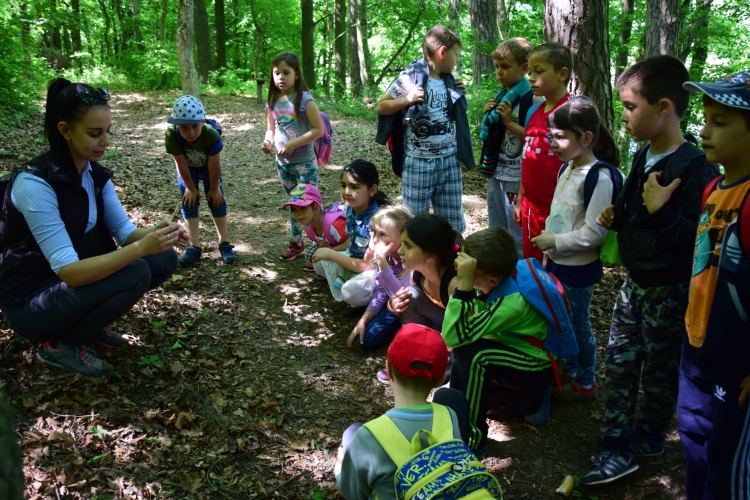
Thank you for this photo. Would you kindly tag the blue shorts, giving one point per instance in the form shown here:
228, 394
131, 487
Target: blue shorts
201, 173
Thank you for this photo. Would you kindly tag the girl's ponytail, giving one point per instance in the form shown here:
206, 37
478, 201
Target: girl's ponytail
605, 148
435, 236
53, 115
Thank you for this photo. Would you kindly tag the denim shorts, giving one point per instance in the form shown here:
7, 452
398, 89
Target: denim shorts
201, 173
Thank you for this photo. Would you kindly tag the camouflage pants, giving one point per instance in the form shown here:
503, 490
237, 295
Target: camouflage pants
645, 339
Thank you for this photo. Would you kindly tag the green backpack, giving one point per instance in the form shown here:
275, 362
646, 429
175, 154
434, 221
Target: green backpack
445, 470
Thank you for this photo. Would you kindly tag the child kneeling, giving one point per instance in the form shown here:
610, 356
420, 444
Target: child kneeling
486, 338
416, 365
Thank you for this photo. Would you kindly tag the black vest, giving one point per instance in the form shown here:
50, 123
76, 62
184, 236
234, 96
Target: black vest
23, 267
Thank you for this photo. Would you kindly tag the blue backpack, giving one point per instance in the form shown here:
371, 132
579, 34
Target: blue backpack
210, 121
545, 294
446, 469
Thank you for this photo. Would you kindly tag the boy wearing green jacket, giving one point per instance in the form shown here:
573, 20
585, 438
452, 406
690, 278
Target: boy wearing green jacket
487, 348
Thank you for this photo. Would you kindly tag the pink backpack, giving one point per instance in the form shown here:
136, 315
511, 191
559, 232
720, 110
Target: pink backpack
330, 215
323, 145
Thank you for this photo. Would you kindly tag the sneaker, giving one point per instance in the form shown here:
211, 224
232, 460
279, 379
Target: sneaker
383, 377
574, 393
540, 416
320, 279
610, 466
292, 251
308, 266
643, 446
227, 254
191, 255
81, 359
108, 339
354, 312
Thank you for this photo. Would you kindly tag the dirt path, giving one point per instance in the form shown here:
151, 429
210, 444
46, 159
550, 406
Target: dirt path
238, 382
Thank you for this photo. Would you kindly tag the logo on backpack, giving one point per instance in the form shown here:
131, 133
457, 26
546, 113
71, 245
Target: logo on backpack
445, 469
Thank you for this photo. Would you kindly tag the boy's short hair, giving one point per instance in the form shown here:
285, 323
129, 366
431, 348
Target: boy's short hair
732, 91
518, 48
495, 250
437, 37
658, 77
556, 54
418, 356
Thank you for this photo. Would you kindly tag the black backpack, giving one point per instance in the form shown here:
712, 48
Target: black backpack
592, 178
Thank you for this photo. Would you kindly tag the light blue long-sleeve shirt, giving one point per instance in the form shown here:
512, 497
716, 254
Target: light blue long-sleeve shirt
37, 201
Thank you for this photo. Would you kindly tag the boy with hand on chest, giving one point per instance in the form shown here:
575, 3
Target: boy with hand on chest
424, 115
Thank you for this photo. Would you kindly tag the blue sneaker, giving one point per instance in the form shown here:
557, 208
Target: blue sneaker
541, 416
644, 446
610, 466
227, 254
191, 256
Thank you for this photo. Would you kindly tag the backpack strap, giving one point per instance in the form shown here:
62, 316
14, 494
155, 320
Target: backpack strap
710, 187
331, 214
531, 112
524, 106
592, 179
679, 160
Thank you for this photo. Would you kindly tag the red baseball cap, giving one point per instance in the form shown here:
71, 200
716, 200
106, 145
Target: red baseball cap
414, 342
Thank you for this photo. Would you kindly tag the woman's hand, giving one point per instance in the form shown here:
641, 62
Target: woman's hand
544, 241
399, 301
161, 239
322, 254
359, 331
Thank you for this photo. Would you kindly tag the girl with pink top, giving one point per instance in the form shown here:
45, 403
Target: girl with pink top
572, 238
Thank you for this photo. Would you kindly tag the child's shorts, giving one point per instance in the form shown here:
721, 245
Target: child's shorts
201, 173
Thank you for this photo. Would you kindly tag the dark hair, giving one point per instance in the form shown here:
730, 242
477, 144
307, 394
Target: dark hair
367, 173
437, 37
299, 84
658, 77
434, 235
494, 249
517, 47
421, 385
580, 115
63, 105
556, 54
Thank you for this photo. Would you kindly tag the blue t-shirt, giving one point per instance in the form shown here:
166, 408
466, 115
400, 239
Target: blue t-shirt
358, 229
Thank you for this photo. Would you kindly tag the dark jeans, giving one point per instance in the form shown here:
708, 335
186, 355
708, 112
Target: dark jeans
72, 315
380, 330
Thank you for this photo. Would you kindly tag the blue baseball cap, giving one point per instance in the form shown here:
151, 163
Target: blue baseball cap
732, 91
188, 110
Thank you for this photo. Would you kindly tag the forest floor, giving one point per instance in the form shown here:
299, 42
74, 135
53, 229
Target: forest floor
238, 382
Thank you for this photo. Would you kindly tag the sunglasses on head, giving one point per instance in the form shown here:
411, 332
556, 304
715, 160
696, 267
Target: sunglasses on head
91, 96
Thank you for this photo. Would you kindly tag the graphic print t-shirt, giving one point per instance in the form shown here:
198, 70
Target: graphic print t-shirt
197, 153
509, 159
289, 127
721, 210
430, 135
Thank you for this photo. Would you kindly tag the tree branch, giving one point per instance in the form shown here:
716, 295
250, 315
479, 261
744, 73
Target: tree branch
403, 45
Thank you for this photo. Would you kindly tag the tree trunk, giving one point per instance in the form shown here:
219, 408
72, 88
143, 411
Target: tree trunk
108, 54
355, 73
56, 40
364, 49
235, 38
582, 26
699, 35
503, 22
26, 39
308, 42
124, 31
221, 34
135, 11
626, 30
339, 30
329, 50
483, 14
188, 75
662, 34
75, 30
11, 475
163, 21
407, 39
454, 24
202, 40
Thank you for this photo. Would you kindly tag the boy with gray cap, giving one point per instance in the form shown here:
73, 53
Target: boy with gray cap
195, 146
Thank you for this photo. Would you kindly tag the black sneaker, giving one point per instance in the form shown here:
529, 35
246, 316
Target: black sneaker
81, 359
108, 339
610, 466
643, 446
191, 256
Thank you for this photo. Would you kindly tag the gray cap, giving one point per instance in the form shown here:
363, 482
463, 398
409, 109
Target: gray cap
187, 111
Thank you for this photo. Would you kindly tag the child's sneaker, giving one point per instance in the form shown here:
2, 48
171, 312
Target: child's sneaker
227, 254
643, 446
383, 377
541, 416
81, 359
292, 251
108, 339
191, 256
609, 466
308, 266
574, 392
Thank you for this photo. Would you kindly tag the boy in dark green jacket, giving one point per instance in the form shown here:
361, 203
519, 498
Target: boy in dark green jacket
485, 338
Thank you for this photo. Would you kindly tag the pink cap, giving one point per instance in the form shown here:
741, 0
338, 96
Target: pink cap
303, 195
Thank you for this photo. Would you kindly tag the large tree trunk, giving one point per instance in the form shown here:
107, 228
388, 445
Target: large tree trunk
188, 75
11, 475
108, 53
454, 24
124, 30
163, 21
135, 10
483, 14
365, 67
503, 22
698, 39
626, 30
355, 73
75, 30
221, 34
203, 40
662, 34
339, 29
308, 42
235, 38
582, 26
